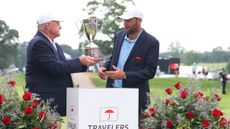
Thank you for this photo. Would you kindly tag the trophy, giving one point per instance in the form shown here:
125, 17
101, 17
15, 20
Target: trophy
90, 28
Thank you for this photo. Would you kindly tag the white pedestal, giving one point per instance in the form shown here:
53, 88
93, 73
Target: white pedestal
108, 108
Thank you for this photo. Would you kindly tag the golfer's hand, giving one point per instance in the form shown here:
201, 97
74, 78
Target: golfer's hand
101, 73
117, 74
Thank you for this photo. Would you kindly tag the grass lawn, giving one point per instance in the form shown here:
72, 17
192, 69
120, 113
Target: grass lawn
158, 85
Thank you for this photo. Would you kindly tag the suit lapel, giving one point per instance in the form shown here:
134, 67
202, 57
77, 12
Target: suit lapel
60, 52
50, 44
55, 51
119, 42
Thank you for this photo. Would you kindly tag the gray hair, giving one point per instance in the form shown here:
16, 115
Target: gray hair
40, 27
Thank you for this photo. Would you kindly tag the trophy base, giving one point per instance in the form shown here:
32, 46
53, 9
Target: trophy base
93, 52
98, 58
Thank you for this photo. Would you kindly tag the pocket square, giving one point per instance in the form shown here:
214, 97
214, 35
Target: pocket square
138, 58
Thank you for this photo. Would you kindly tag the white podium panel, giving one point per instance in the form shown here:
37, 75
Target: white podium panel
108, 108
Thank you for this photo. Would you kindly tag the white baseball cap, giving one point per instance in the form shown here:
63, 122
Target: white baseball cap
131, 12
47, 18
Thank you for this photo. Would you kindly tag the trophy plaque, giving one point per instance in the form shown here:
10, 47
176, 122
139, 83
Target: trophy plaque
90, 28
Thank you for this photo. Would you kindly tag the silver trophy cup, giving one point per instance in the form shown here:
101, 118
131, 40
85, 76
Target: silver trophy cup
90, 27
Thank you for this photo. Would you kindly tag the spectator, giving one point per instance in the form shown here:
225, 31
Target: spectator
224, 79
205, 71
177, 70
194, 69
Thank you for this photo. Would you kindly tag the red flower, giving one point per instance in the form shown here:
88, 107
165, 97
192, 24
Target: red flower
53, 125
42, 115
27, 96
11, 83
190, 115
6, 120
167, 101
184, 94
138, 58
178, 85
141, 127
28, 110
35, 103
2, 99
169, 91
198, 95
152, 112
216, 113
217, 97
169, 123
145, 115
223, 122
205, 123
173, 104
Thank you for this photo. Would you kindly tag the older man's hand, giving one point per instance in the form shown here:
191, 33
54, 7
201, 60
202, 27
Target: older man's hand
88, 60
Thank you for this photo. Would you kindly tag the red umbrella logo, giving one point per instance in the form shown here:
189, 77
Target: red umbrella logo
109, 111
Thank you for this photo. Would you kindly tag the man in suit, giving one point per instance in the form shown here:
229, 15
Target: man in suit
47, 69
134, 57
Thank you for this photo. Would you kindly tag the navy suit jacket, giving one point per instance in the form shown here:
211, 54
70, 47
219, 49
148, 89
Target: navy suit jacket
140, 66
48, 71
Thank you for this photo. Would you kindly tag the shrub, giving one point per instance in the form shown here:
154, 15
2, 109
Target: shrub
189, 108
25, 112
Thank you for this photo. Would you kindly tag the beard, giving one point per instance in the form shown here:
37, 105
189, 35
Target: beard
132, 29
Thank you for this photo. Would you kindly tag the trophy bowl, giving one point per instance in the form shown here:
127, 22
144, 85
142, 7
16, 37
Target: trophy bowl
90, 29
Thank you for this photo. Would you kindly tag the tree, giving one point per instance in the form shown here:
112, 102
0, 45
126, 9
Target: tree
228, 67
21, 57
218, 54
8, 45
189, 57
176, 49
108, 23
73, 53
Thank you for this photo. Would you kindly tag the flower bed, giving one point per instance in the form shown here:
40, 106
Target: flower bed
25, 112
189, 108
